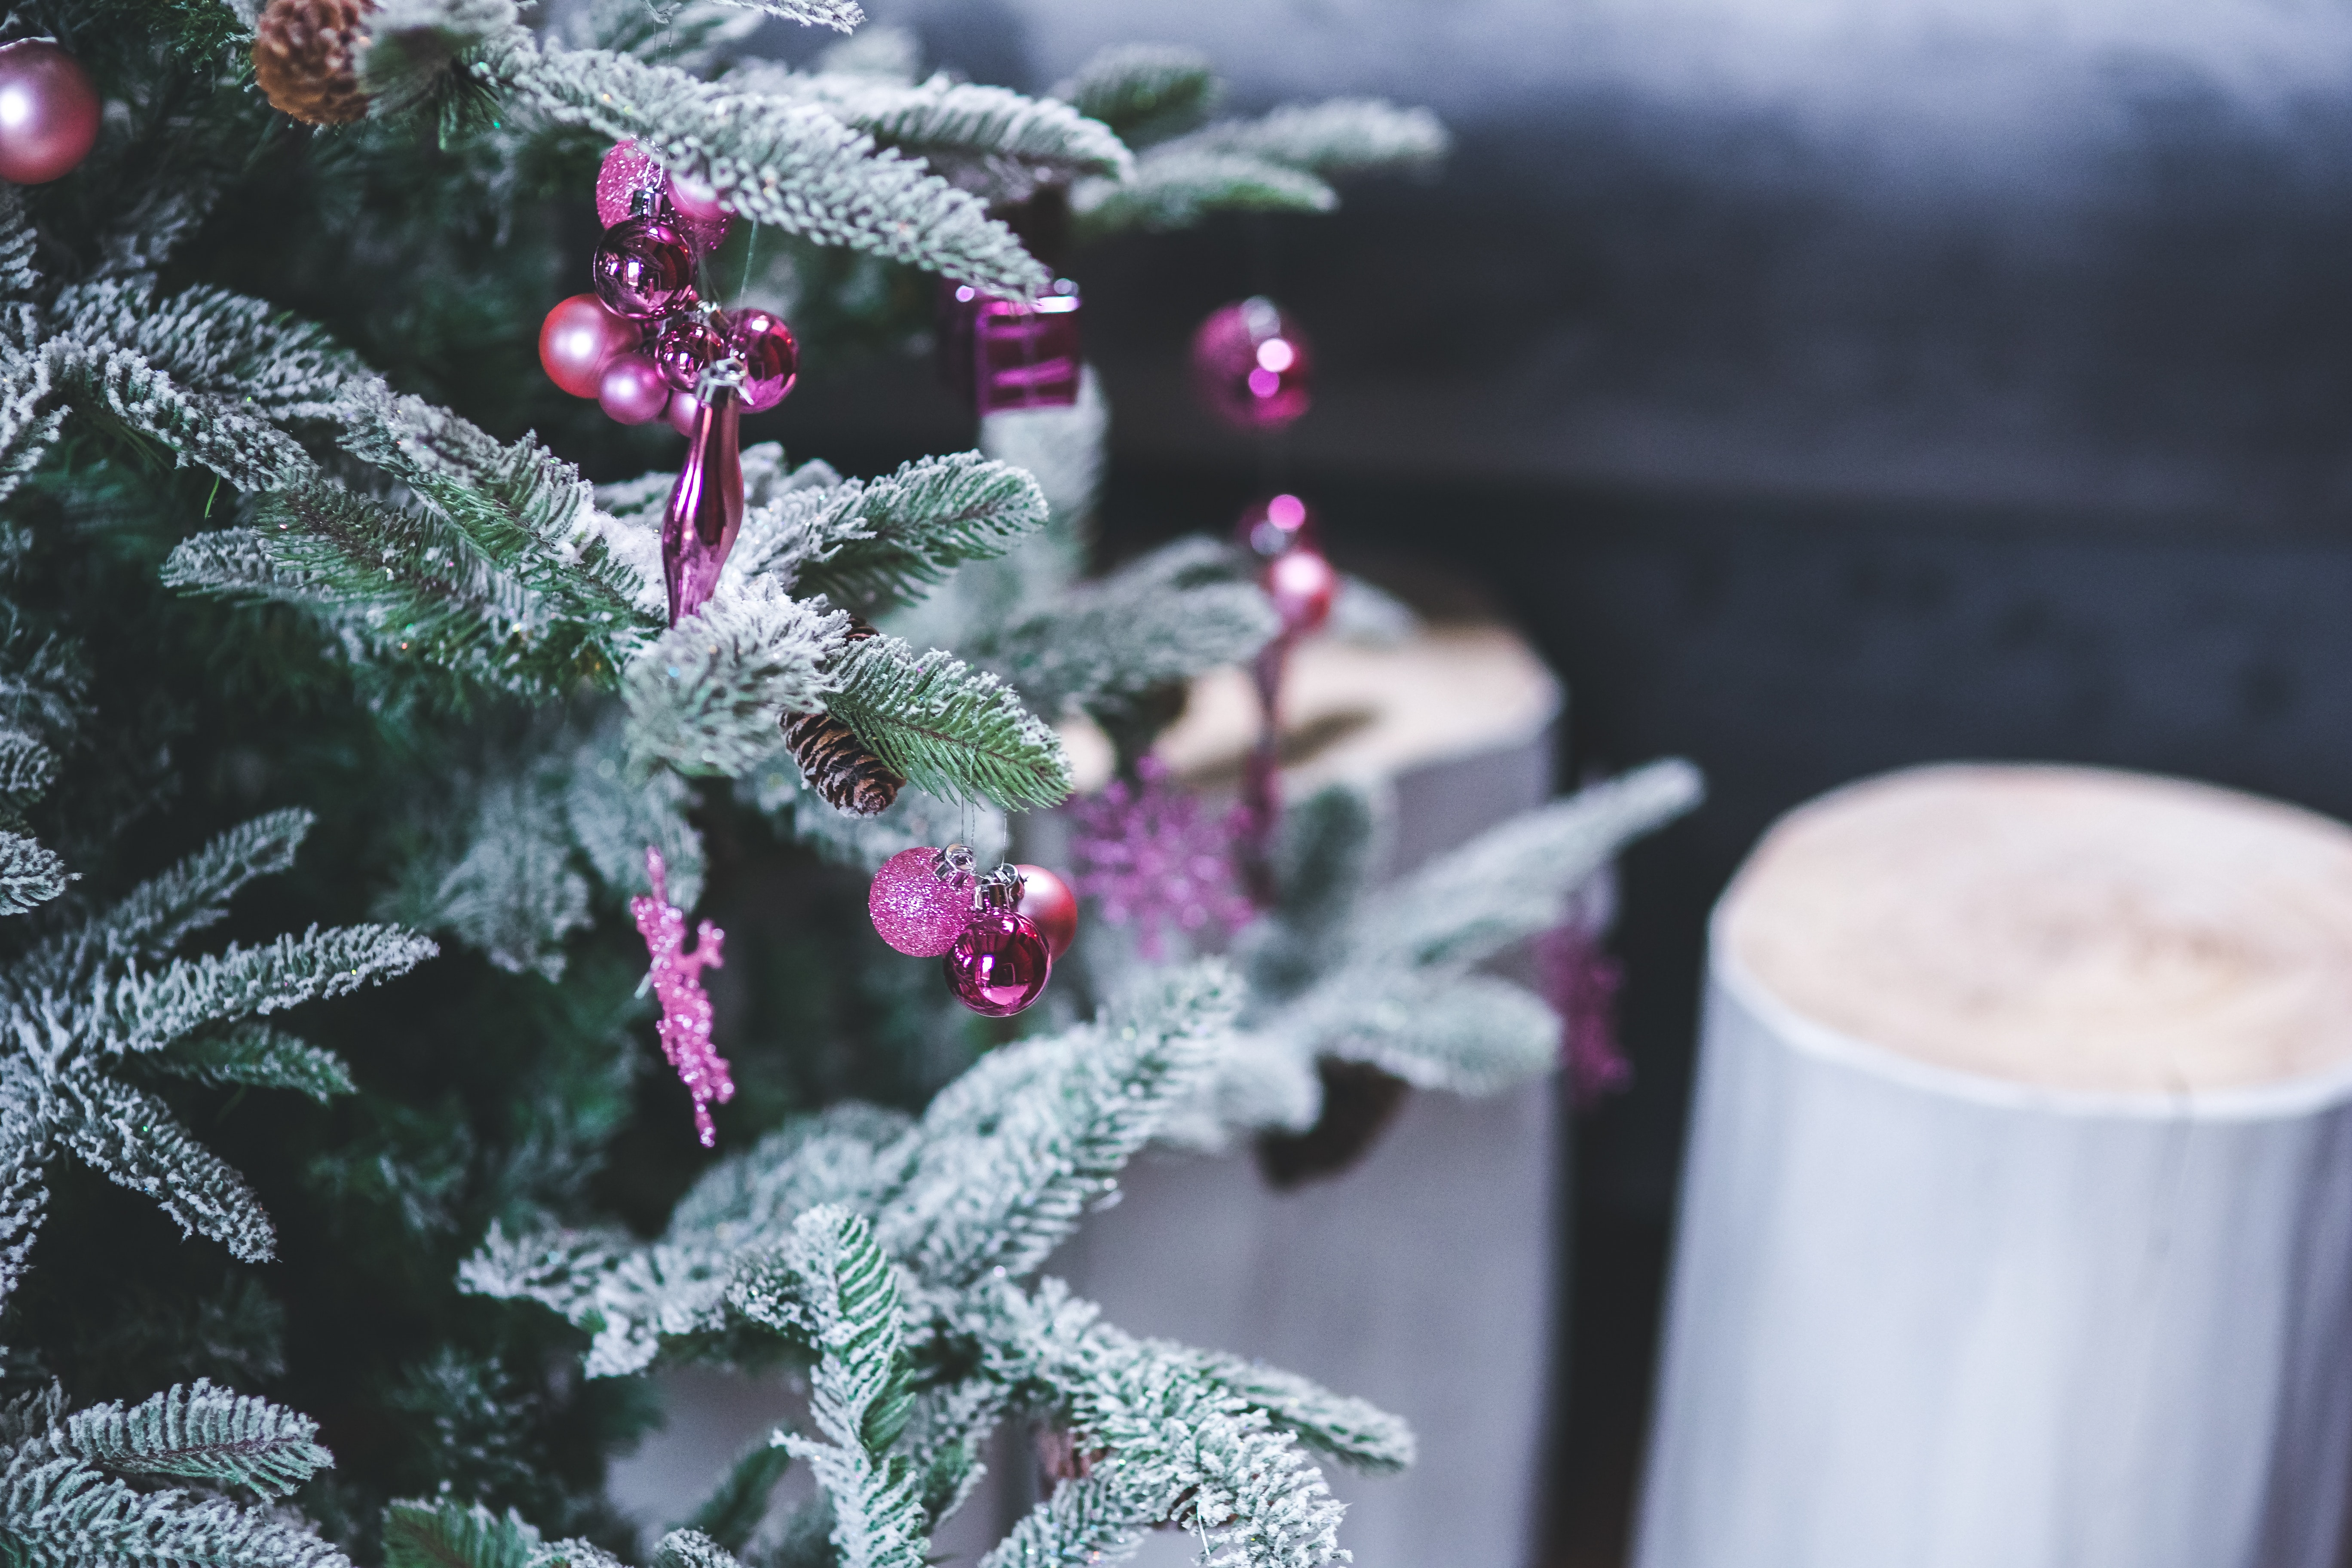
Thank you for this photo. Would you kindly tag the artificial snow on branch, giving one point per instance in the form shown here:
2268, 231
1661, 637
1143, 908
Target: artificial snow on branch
958, 732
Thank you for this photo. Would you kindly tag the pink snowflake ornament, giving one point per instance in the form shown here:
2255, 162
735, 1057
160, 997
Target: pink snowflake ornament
1153, 857
677, 980
1584, 982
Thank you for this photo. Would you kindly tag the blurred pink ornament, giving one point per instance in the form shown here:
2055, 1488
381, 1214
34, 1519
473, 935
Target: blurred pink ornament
49, 112
770, 358
632, 391
1051, 905
703, 217
632, 183
1251, 365
999, 964
1150, 856
677, 976
684, 412
1583, 981
1274, 524
922, 898
1302, 584
578, 340
644, 271
1024, 354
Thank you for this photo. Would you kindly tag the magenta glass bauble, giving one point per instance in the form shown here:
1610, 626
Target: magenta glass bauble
632, 391
48, 112
1302, 584
627, 169
916, 907
1276, 523
1250, 363
770, 358
685, 413
578, 340
1050, 906
644, 269
999, 964
706, 506
684, 348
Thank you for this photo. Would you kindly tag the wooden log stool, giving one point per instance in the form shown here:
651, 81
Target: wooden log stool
2016, 1221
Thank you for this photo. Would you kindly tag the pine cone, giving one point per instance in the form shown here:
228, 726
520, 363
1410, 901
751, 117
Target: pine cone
306, 56
836, 762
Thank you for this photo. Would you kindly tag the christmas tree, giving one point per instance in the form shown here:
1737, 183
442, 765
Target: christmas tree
332, 684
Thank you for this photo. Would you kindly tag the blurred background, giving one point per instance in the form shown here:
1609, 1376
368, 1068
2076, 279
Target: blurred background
1823, 385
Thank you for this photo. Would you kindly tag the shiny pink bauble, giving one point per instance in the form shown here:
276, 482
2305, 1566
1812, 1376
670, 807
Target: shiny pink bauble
644, 269
683, 412
770, 358
48, 112
684, 348
1251, 365
914, 909
999, 964
632, 391
1275, 524
1050, 906
1302, 585
627, 169
578, 340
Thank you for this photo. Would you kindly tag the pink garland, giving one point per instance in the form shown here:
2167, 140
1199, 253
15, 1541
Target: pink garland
676, 978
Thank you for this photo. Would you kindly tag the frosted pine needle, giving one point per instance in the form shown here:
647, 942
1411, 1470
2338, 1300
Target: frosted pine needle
1151, 855
677, 978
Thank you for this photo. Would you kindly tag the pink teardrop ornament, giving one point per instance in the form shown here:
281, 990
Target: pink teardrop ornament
706, 506
999, 964
918, 907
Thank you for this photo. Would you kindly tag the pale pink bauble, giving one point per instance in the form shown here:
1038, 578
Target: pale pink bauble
632, 391
682, 413
913, 909
579, 338
1049, 904
49, 112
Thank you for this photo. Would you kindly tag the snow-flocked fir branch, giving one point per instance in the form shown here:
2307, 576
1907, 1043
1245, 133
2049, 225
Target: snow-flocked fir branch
705, 698
778, 161
81, 1001
1145, 93
859, 1239
877, 542
71, 1486
958, 732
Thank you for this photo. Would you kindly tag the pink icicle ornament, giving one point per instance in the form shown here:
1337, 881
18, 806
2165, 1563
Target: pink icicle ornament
677, 979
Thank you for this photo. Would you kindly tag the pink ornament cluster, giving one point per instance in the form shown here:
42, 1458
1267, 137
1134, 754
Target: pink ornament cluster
998, 944
676, 978
1153, 857
640, 343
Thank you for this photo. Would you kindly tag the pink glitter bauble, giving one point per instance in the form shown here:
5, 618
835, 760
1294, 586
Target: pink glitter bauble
49, 112
627, 169
914, 909
1251, 365
999, 965
1050, 906
644, 271
684, 348
770, 358
578, 340
685, 413
1302, 585
632, 392
1274, 524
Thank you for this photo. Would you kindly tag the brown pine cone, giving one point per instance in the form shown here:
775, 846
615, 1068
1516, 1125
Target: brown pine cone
306, 56
836, 762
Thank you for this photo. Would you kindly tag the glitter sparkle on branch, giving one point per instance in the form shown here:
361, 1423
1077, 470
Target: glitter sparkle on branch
676, 978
